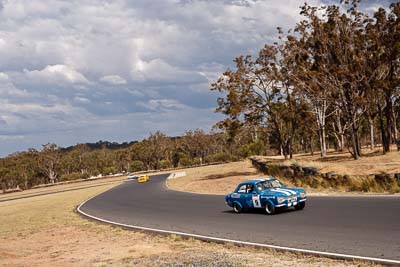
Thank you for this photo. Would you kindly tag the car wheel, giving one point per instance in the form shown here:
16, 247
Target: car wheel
237, 208
300, 206
269, 208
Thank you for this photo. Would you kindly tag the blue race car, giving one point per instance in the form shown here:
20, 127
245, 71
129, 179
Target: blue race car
266, 193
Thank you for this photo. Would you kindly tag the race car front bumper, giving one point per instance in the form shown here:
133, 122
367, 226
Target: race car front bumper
291, 202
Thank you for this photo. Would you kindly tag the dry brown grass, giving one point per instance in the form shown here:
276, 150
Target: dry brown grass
60, 188
372, 161
223, 179
72, 185
215, 179
46, 231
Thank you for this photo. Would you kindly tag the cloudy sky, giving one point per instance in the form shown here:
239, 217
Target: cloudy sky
75, 71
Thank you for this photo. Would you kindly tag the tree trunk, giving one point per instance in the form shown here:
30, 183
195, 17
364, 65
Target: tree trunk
357, 138
322, 140
338, 130
389, 125
303, 145
285, 146
26, 183
339, 142
255, 136
354, 146
285, 153
371, 132
320, 111
385, 145
395, 131
52, 177
311, 146
358, 144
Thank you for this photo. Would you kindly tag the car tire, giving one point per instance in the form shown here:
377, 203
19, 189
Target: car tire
269, 208
300, 205
237, 208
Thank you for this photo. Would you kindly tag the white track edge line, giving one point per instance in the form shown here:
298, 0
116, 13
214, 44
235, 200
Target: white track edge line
211, 238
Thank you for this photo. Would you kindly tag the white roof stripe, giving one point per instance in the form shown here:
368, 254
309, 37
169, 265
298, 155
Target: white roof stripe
281, 191
291, 191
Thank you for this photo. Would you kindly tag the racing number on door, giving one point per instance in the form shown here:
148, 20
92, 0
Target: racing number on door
256, 201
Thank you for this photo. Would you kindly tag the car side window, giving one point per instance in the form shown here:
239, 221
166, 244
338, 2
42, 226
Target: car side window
249, 188
242, 189
260, 187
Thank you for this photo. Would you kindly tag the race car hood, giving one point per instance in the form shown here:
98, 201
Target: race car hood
282, 191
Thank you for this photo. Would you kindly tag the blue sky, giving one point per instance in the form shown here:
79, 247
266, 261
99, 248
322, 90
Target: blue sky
85, 70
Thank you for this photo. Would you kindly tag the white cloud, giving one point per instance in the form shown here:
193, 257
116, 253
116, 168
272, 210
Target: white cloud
113, 80
160, 71
62, 60
163, 105
3, 76
82, 100
57, 74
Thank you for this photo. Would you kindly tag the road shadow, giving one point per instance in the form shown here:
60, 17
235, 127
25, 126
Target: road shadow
260, 211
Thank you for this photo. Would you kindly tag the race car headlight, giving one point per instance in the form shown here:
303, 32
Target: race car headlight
302, 194
280, 199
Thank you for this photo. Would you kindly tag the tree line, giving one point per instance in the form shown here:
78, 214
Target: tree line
334, 80
54, 164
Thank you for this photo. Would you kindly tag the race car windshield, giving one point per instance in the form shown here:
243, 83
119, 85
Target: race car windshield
268, 184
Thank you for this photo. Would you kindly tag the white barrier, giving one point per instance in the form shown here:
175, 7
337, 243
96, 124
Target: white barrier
176, 175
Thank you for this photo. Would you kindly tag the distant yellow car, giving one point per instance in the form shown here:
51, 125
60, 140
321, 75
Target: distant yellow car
143, 179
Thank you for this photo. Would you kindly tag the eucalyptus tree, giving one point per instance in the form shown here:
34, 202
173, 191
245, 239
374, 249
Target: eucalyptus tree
310, 63
259, 92
383, 37
197, 143
49, 161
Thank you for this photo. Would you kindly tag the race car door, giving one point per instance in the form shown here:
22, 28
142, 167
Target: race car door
252, 198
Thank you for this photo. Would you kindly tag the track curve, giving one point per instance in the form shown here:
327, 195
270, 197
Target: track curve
357, 226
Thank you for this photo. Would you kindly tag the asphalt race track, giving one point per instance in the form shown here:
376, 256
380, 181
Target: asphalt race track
360, 226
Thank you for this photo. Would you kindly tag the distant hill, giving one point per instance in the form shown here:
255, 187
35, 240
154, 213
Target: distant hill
103, 144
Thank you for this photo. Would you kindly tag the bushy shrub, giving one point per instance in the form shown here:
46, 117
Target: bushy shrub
254, 148
176, 156
365, 186
209, 159
395, 188
95, 172
244, 151
74, 176
386, 181
222, 157
196, 161
136, 166
164, 164
110, 170
185, 162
